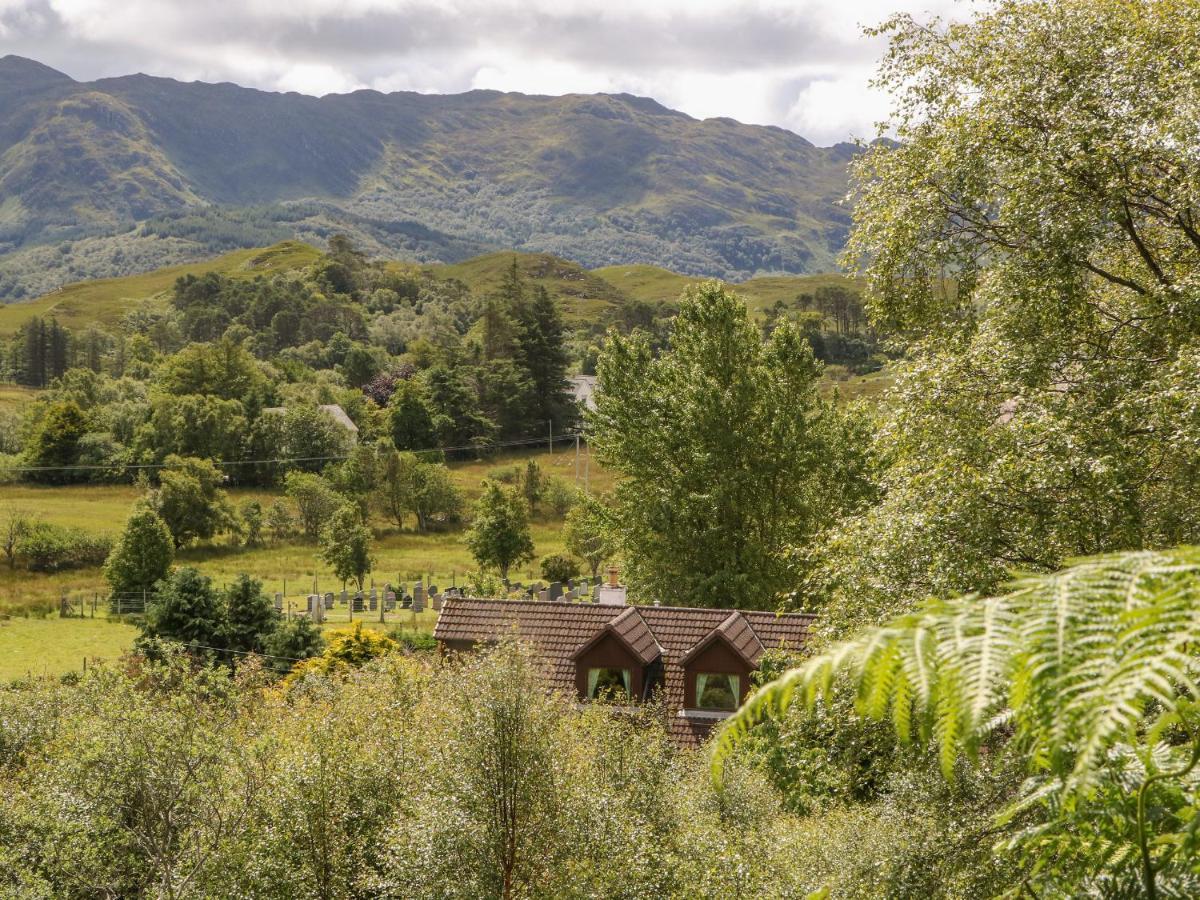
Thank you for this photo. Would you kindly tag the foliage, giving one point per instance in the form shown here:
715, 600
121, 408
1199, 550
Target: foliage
189, 500
250, 616
586, 531
1090, 669
55, 444
346, 648
142, 555
1030, 234
315, 500
499, 536
51, 548
559, 567
346, 545
729, 457
250, 515
185, 607
293, 640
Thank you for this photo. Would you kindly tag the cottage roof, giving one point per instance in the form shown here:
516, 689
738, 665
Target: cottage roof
557, 632
333, 410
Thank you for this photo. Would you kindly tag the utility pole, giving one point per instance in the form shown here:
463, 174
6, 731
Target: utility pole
550, 422
577, 457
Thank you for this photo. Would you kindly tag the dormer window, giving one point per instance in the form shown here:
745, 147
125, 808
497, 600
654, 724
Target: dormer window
718, 690
609, 684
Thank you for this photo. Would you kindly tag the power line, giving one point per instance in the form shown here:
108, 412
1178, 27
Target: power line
520, 442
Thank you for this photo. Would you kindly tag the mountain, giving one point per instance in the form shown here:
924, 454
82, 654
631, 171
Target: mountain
122, 174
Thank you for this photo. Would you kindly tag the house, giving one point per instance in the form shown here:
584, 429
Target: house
333, 410
583, 389
697, 661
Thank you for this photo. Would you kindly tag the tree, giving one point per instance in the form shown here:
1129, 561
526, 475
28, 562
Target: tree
251, 515
438, 500
15, 524
190, 502
279, 520
532, 484
185, 607
543, 353
410, 418
346, 545
585, 533
54, 444
499, 536
1030, 235
250, 617
1086, 669
142, 555
399, 482
729, 459
315, 500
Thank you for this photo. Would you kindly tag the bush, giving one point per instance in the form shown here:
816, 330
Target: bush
413, 640
559, 567
559, 496
53, 548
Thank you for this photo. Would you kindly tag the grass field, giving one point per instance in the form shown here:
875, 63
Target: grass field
292, 566
54, 646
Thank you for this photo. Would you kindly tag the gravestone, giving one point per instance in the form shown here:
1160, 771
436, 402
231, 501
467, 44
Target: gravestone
544, 596
329, 600
436, 602
389, 600
278, 602
570, 596
344, 599
418, 604
555, 591
374, 600
596, 592
358, 601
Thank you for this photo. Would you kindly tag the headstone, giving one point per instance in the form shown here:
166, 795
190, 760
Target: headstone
570, 584
436, 602
308, 603
374, 599
345, 597
596, 592
329, 600
389, 600
544, 596
555, 590
358, 601
418, 596
278, 602
570, 596
418, 604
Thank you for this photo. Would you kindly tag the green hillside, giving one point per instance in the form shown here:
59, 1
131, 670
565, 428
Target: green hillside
104, 301
584, 295
157, 171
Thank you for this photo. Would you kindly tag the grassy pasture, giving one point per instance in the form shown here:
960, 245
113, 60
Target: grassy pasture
54, 646
400, 555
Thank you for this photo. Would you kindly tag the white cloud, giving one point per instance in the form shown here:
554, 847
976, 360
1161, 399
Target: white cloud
801, 64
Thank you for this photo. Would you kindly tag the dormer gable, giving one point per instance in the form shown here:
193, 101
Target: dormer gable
623, 652
737, 633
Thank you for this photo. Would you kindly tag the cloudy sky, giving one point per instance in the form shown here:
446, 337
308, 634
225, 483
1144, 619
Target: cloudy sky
800, 64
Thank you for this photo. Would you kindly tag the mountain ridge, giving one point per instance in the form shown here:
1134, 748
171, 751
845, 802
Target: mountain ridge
607, 179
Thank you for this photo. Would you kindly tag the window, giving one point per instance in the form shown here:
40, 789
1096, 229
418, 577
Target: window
608, 684
717, 691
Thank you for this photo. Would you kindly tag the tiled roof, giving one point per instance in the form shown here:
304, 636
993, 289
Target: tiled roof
556, 631
738, 633
632, 631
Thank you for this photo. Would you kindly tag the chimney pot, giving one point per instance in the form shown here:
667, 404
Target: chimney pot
613, 573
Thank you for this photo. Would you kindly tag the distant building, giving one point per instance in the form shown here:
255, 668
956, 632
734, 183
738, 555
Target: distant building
698, 661
333, 410
584, 388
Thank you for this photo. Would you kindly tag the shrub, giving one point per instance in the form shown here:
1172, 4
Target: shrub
53, 548
559, 567
559, 496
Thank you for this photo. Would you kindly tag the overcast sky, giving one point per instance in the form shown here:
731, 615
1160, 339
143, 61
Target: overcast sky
800, 64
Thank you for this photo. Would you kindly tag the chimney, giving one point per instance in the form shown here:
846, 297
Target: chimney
613, 593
